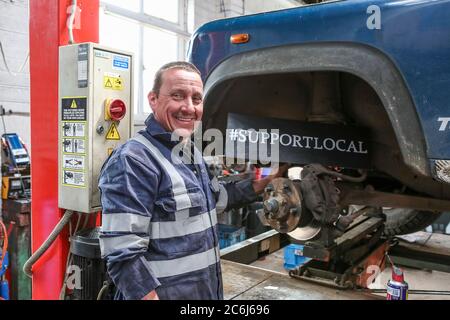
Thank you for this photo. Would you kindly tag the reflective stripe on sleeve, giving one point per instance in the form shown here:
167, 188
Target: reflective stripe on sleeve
125, 222
174, 267
109, 245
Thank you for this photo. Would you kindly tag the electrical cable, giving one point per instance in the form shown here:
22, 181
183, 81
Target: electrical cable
223, 8
5, 243
102, 290
24, 63
71, 19
77, 225
4, 58
3, 112
3, 120
6, 64
47, 243
245, 215
86, 220
70, 228
345, 177
13, 2
349, 178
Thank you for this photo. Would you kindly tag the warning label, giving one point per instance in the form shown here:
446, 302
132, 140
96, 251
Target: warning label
74, 108
73, 162
112, 82
73, 178
74, 129
73, 146
113, 134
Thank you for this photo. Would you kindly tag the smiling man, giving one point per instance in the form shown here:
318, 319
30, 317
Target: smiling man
177, 98
159, 225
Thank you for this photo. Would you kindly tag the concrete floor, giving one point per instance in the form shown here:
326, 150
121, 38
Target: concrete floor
416, 279
246, 282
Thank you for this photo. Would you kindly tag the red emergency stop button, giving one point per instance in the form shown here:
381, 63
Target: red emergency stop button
115, 109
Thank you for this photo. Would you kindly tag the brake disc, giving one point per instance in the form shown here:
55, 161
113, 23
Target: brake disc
283, 210
282, 205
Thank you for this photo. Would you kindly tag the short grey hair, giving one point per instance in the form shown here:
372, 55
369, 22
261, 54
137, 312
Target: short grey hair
183, 65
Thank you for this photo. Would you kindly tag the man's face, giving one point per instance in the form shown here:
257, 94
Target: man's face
179, 102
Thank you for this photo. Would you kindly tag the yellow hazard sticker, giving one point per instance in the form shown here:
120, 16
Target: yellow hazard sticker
73, 105
114, 83
113, 133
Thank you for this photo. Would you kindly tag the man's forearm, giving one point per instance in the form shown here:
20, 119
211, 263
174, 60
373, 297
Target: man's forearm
132, 277
244, 192
260, 185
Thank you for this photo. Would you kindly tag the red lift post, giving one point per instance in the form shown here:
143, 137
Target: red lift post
48, 31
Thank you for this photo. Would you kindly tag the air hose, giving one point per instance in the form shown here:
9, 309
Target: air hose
47, 243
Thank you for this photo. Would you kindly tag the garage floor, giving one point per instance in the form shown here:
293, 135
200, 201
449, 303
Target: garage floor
267, 279
244, 282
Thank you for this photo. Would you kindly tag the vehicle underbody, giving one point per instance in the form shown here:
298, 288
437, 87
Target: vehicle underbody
411, 198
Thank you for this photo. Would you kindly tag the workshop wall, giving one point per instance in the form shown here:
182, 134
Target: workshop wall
14, 66
14, 56
206, 11
257, 6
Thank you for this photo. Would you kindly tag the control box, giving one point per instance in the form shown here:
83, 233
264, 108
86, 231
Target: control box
95, 117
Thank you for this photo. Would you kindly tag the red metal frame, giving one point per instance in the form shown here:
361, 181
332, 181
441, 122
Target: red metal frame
48, 31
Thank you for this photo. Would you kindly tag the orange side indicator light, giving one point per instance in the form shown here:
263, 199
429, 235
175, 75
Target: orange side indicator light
240, 38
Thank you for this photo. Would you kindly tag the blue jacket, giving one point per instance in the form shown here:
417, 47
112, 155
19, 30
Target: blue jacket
159, 223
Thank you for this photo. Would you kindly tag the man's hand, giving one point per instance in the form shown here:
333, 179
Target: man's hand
279, 171
260, 185
151, 296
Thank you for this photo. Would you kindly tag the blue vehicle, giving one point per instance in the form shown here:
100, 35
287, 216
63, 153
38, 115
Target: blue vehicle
380, 65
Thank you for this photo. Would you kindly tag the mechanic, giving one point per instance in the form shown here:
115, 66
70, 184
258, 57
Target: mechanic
159, 225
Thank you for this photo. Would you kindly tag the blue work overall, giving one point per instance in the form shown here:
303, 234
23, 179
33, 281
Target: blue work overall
159, 219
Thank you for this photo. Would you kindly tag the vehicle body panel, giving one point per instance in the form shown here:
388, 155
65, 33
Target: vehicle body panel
414, 36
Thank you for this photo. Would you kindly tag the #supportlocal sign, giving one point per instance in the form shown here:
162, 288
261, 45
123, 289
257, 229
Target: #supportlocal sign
269, 140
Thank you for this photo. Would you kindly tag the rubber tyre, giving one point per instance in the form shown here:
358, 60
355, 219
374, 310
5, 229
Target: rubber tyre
404, 221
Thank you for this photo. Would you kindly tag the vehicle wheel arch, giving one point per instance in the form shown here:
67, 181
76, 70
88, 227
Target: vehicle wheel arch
362, 61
